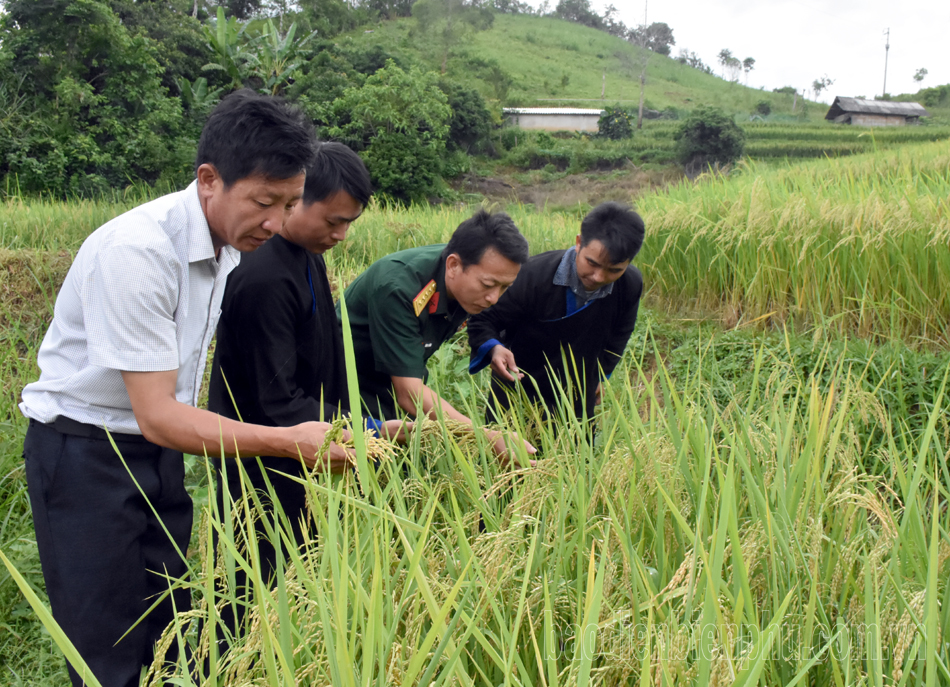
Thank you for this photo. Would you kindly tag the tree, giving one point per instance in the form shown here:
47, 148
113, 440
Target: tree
708, 136
748, 64
657, 37
579, 12
398, 123
470, 124
724, 57
614, 124
818, 85
691, 59
920, 75
99, 114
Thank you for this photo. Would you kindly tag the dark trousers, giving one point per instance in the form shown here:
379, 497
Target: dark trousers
292, 499
103, 551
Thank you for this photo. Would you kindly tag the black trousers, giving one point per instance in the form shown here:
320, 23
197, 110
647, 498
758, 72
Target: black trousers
292, 499
103, 551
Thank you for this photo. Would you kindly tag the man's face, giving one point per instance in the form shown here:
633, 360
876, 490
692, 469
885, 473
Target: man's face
249, 212
594, 268
321, 225
479, 286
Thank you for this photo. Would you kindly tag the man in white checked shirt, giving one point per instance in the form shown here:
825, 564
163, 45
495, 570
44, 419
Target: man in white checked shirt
125, 353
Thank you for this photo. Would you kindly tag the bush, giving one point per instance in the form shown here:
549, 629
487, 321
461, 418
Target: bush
398, 122
764, 108
708, 136
615, 124
470, 124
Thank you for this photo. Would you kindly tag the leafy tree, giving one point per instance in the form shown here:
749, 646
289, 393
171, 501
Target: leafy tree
330, 17
579, 12
398, 122
99, 114
242, 9
748, 64
470, 123
724, 57
785, 90
615, 124
657, 37
691, 59
920, 75
179, 43
708, 136
818, 85
612, 25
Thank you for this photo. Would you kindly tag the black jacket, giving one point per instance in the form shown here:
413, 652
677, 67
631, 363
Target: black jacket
531, 320
279, 344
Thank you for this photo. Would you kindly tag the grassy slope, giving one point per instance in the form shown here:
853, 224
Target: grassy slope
554, 59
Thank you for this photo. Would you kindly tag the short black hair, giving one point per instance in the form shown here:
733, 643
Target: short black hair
249, 133
616, 226
336, 168
483, 231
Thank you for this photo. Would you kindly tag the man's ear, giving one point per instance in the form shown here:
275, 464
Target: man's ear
207, 175
579, 243
453, 264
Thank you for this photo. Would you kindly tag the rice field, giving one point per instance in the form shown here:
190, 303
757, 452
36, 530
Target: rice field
762, 505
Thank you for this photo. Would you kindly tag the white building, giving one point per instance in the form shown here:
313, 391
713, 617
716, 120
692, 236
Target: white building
553, 118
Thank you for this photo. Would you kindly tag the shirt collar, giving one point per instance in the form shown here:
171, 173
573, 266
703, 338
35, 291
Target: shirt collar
566, 275
200, 246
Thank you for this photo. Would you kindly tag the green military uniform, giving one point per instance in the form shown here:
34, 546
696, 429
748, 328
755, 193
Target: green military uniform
400, 313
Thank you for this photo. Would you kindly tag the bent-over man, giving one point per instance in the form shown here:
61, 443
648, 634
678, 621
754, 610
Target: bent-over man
567, 319
125, 354
406, 305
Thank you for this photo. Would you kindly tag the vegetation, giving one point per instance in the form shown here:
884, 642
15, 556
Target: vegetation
708, 137
762, 504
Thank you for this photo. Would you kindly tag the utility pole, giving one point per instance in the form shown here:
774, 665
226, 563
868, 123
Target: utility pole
887, 48
643, 70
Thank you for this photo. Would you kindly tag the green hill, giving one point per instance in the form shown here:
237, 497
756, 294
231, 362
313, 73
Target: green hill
543, 62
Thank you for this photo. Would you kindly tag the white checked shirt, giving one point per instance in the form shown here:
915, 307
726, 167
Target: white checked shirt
143, 295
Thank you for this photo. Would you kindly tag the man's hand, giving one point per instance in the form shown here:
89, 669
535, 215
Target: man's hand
396, 430
309, 438
503, 363
500, 441
599, 394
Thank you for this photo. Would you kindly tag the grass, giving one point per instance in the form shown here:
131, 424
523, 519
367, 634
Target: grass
761, 506
542, 61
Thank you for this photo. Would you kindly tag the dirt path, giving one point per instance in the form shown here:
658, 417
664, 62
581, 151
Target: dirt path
543, 191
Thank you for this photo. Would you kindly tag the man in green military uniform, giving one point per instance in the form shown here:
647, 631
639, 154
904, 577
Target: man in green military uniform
409, 303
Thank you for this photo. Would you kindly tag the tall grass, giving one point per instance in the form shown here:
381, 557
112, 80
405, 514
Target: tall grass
859, 243
695, 543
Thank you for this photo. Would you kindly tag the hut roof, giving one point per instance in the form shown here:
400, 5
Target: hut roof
843, 105
551, 111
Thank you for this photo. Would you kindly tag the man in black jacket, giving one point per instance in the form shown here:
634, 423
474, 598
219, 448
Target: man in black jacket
567, 318
279, 354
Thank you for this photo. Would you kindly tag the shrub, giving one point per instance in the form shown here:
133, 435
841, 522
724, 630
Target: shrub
470, 123
398, 122
615, 124
764, 108
708, 136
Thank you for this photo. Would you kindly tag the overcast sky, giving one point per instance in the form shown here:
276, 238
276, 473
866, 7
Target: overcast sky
795, 42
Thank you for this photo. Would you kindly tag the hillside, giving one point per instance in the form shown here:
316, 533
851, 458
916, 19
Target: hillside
541, 61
